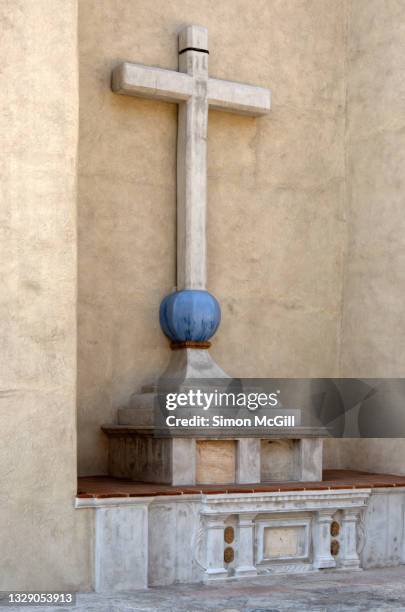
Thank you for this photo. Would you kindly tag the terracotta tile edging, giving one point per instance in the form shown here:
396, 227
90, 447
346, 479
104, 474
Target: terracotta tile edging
143, 494
106, 495
104, 487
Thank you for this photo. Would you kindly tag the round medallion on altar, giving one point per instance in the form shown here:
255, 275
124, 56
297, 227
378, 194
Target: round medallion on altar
190, 317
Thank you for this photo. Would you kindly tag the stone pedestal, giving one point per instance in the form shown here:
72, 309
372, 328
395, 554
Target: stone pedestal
143, 448
140, 454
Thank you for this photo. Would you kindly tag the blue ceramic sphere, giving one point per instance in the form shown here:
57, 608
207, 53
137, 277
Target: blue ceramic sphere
189, 315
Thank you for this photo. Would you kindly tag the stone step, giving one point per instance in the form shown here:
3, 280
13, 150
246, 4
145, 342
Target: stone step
140, 410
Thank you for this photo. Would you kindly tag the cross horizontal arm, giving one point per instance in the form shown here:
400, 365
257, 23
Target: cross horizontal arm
148, 82
238, 98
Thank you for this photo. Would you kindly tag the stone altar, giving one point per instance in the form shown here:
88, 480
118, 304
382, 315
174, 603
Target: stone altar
190, 316
151, 535
198, 537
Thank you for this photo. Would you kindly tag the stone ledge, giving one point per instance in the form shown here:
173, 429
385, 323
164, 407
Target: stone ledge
217, 433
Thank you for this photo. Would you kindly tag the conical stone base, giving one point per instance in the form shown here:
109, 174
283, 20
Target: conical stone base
143, 449
187, 368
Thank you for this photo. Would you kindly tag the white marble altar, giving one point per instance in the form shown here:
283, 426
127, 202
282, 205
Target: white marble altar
150, 541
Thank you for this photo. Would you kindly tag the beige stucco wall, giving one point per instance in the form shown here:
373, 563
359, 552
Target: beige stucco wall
373, 330
276, 197
44, 542
373, 338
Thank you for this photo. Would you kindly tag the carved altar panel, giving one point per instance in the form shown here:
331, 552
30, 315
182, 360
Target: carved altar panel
216, 461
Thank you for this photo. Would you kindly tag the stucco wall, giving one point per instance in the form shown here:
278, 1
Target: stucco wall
276, 196
43, 540
373, 334
373, 329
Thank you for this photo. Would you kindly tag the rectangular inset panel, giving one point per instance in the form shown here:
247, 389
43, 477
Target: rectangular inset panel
215, 461
284, 539
278, 460
283, 542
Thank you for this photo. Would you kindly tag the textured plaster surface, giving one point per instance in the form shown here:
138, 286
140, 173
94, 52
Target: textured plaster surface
275, 197
373, 340
44, 543
373, 327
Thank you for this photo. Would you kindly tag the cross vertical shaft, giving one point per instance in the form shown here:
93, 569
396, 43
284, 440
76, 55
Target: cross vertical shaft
190, 316
192, 162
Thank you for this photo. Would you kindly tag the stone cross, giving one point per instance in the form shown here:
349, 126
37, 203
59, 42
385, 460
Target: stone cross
194, 91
